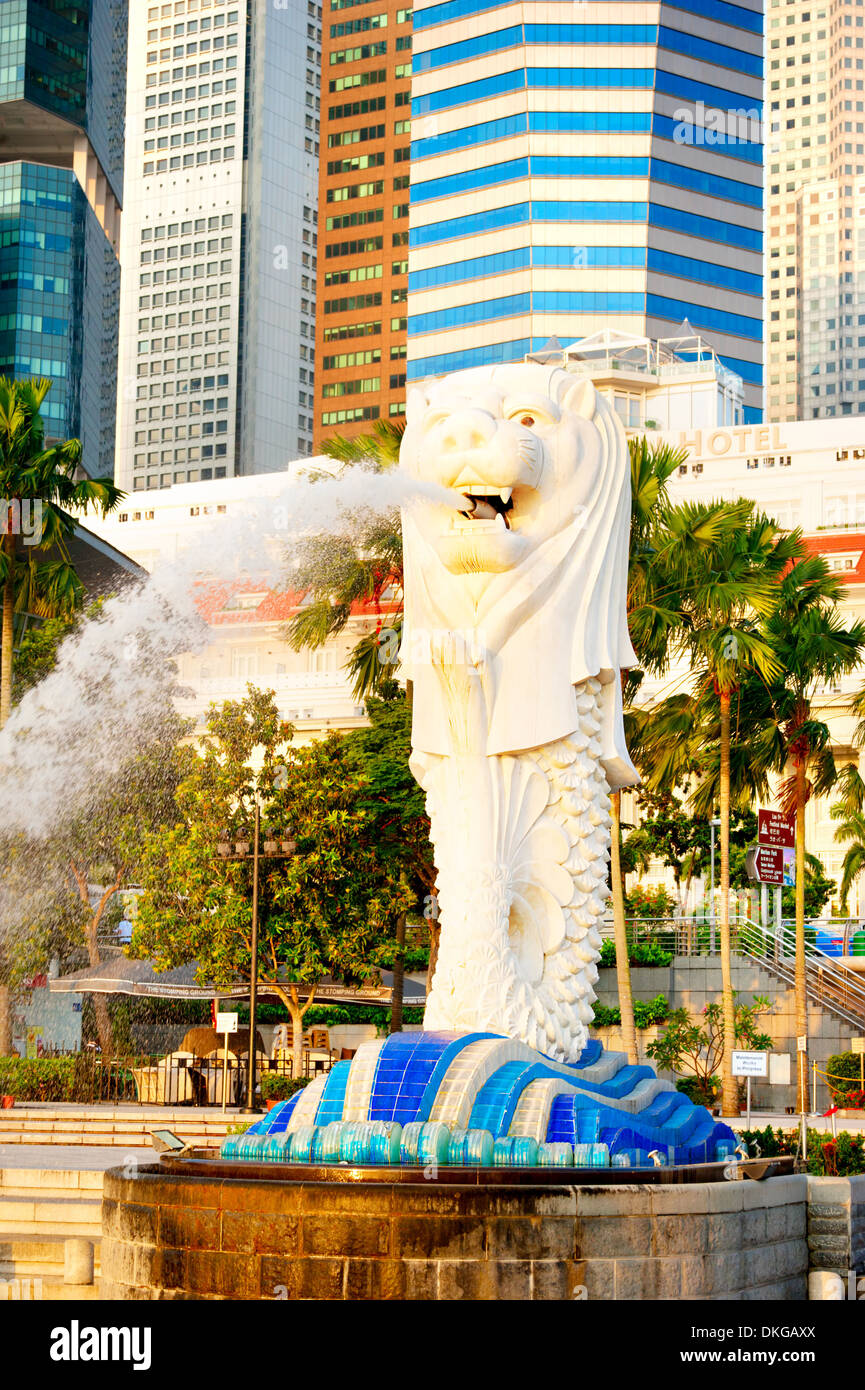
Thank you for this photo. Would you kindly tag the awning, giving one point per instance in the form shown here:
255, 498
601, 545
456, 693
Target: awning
120, 975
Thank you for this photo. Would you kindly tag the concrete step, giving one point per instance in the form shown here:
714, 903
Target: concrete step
39, 1289
111, 1138
26, 1256
65, 1216
51, 1182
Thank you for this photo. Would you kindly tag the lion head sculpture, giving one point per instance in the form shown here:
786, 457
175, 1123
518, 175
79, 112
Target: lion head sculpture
533, 571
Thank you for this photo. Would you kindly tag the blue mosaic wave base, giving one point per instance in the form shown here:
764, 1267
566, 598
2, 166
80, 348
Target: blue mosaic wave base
477, 1099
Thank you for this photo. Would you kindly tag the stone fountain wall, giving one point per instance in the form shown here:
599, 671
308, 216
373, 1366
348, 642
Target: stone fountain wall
180, 1237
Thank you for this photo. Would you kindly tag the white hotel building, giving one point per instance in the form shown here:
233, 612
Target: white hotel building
218, 247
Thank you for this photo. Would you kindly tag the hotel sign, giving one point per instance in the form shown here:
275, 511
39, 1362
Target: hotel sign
739, 439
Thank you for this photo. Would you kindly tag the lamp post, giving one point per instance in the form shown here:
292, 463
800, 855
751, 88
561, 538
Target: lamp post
273, 849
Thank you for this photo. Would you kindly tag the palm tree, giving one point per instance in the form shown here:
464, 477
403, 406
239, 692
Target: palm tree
850, 814
731, 584
813, 647
43, 581
652, 613
336, 572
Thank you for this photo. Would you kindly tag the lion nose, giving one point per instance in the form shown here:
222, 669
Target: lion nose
468, 429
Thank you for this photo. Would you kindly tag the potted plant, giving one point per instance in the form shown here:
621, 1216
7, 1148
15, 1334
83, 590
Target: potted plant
276, 1088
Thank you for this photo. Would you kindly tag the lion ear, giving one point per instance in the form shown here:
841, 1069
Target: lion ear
416, 403
579, 397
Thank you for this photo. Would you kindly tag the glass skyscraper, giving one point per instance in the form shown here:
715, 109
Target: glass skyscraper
587, 165
62, 82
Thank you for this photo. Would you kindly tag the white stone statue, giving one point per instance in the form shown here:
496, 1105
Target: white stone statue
514, 637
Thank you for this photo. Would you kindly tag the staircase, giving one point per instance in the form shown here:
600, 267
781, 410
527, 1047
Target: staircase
122, 1127
39, 1210
828, 984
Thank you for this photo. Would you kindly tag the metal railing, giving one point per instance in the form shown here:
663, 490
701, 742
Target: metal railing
829, 981
184, 1078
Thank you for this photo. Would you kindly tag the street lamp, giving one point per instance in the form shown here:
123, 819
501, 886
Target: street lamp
274, 848
716, 820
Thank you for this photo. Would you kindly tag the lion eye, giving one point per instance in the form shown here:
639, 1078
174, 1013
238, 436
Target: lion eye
527, 419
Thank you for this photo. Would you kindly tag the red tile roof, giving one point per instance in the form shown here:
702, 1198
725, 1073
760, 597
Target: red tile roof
850, 543
213, 600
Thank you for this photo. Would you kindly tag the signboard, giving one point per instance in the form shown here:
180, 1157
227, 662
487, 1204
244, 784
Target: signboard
226, 1023
765, 864
779, 1069
857, 1045
750, 1063
802, 1043
774, 828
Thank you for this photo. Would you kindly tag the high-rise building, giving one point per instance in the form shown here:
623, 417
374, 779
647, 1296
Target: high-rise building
577, 167
816, 209
62, 82
217, 334
363, 200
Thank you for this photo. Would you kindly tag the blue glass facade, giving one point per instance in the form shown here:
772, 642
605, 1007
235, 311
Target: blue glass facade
63, 81
640, 134
59, 297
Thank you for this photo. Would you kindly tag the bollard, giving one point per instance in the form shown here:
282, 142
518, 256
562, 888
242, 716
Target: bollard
77, 1260
825, 1286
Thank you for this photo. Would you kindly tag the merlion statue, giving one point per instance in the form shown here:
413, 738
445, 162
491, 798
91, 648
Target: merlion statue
514, 637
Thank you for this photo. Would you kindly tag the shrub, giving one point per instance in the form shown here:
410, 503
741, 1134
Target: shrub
700, 1090
843, 1156
844, 1070
645, 952
276, 1087
649, 902
646, 1013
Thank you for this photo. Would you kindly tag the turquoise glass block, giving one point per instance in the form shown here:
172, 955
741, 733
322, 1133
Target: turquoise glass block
275, 1147
325, 1143
724, 1149
600, 1155
384, 1143
502, 1151
409, 1142
354, 1141
583, 1155
433, 1143
525, 1152
621, 1160
251, 1145
556, 1155
300, 1144
229, 1146
457, 1148
478, 1148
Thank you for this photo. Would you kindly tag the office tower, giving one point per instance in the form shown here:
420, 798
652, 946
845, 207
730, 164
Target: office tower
816, 206
363, 201
62, 80
217, 315
578, 167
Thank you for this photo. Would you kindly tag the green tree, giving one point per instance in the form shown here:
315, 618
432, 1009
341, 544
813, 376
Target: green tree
335, 573
330, 909
38, 578
695, 1046
732, 583
397, 807
812, 647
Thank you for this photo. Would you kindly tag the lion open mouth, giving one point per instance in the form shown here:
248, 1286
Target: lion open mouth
486, 507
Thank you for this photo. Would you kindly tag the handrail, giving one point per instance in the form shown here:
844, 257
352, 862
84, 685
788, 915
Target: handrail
828, 981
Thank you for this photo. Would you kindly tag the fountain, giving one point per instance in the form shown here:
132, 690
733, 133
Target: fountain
492, 1154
